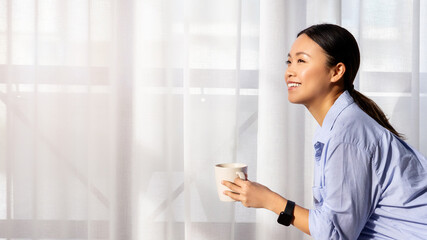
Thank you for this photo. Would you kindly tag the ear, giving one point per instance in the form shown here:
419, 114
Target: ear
337, 72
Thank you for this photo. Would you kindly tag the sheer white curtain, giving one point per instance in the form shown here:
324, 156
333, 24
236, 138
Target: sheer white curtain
113, 113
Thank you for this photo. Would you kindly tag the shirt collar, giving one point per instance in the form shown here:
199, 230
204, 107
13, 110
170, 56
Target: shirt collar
322, 132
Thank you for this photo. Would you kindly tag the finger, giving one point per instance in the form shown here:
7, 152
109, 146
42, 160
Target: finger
233, 195
232, 186
238, 181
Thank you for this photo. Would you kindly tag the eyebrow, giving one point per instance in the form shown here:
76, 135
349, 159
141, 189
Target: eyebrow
299, 53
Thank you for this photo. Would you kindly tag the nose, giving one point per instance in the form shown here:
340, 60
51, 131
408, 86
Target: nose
289, 72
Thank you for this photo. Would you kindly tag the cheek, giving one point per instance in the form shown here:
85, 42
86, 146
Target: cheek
307, 76
313, 75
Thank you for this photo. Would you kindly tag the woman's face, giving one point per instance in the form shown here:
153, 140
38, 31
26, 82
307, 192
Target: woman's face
307, 75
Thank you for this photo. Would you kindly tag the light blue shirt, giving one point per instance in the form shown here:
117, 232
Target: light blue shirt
368, 184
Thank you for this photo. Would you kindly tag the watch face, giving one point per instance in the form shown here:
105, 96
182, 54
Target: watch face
284, 219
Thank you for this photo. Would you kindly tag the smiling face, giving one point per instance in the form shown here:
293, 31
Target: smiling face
308, 77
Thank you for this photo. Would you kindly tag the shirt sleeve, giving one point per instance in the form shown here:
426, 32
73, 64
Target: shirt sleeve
348, 192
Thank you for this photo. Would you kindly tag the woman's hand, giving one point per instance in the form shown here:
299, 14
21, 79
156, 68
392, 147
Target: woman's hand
250, 194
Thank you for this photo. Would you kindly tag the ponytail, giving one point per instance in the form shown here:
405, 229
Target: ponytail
373, 110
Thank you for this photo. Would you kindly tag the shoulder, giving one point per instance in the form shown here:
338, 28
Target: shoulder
356, 128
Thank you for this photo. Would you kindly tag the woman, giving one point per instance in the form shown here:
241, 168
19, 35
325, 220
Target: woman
368, 183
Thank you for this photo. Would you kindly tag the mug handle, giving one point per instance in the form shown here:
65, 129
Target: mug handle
241, 175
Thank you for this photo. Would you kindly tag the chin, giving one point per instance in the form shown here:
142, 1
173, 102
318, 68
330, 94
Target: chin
292, 99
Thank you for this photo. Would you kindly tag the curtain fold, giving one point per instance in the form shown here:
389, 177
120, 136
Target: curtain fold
280, 163
114, 113
272, 110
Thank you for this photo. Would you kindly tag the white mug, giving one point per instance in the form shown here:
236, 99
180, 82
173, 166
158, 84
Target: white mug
228, 172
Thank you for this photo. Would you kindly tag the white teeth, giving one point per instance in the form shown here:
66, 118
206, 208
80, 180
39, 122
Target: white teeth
293, 84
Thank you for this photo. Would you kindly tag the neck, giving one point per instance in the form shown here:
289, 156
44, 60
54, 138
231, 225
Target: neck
320, 109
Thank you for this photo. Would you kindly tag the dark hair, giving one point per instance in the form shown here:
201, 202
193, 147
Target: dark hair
341, 47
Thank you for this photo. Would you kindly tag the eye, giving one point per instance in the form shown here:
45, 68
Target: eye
288, 62
301, 61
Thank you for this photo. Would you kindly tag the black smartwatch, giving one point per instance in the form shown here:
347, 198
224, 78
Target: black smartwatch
286, 217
